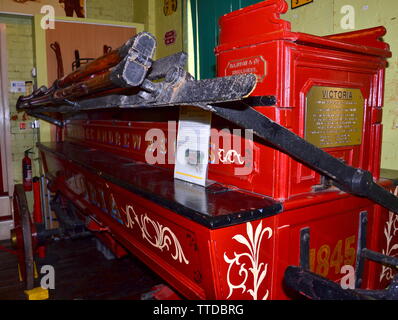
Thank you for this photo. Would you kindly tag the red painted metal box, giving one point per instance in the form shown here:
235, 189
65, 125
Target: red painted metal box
309, 75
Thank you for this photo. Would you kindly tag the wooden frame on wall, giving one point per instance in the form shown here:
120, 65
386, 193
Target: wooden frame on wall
5, 133
41, 54
6, 213
40, 40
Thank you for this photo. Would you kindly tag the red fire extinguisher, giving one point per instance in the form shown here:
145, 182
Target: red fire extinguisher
27, 171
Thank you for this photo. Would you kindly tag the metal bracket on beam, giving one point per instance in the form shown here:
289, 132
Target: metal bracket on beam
305, 248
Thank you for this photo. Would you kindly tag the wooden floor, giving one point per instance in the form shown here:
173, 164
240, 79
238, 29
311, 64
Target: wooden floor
81, 273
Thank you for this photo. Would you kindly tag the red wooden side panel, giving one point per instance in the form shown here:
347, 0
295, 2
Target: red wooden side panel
173, 246
383, 229
333, 228
244, 261
244, 258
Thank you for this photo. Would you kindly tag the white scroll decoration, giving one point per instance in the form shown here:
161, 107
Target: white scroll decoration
163, 237
390, 230
256, 271
230, 157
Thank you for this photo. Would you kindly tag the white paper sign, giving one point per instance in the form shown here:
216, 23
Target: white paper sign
192, 157
17, 87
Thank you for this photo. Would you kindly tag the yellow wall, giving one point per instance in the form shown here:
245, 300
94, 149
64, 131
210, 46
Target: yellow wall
19, 33
141, 13
167, 23
150, 13
323, 17
119, 10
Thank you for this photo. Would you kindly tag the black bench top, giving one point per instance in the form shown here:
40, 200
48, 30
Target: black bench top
214, 206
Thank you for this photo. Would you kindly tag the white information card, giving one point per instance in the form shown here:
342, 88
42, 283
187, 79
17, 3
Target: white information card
192, 157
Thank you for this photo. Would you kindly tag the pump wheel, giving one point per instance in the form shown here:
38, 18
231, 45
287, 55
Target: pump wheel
22, 236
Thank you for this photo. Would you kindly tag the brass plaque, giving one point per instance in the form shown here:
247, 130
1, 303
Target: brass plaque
334, 117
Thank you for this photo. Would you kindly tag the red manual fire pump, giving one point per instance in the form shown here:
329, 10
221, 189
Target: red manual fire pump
309, 208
